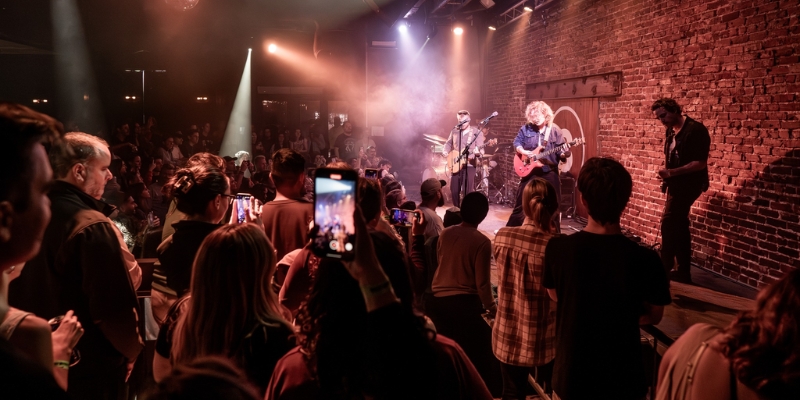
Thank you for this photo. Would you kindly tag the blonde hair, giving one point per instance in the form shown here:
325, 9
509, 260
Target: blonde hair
539, 203
542, 107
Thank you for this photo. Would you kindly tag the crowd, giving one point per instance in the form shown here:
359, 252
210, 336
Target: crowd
247, 311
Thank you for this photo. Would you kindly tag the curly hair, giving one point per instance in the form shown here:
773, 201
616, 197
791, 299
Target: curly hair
541, 107
669, 104
338, 346
763, 345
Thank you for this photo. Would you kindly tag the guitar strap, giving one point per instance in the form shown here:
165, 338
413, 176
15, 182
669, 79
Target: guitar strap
546, 136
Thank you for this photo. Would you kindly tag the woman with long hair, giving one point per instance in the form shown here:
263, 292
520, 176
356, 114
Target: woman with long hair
523, 335
232, 310
756, 357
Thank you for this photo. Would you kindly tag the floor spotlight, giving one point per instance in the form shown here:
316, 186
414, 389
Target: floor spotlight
272, 48
458, 30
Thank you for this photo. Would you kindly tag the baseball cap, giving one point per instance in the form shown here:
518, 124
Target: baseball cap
431, 185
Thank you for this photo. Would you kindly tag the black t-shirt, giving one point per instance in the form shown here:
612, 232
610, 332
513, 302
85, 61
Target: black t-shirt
347, 147
602, 282
692, 143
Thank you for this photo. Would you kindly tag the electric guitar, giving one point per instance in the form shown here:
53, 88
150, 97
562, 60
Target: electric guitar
456, 161
523, 165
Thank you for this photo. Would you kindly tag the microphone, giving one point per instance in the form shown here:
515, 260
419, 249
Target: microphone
461, 123
494, 114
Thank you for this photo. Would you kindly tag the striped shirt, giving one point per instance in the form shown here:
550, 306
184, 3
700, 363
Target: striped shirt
525, 327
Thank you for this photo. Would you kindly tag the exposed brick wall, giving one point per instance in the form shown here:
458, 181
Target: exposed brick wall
733, 65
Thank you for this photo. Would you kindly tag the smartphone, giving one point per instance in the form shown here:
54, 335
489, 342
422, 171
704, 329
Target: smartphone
371, 173
243, 206
402, 217
334, 231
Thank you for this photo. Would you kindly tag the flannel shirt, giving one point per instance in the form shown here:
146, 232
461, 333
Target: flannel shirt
525, 327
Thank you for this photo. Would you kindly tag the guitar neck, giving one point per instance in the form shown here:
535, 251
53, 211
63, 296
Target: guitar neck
551, 151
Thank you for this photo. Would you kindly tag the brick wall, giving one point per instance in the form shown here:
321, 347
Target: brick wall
733, 65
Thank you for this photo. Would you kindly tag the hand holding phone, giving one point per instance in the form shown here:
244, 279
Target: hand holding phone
371, 173
246, 209
334, 234
419, 224
403, 217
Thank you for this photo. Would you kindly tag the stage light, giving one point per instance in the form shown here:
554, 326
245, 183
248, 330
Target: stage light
127, 97
36, 101
527, 8
492, 28
272, 48
458, 30
44, 101
237, 133
403, 28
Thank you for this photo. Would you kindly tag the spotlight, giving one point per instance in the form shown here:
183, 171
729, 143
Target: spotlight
458, 30
44, 101
492, 28
433, 32
272, 48
403, 28
36, 101
527, 8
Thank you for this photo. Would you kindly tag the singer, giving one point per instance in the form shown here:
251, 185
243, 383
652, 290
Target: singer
539, 134
457, 144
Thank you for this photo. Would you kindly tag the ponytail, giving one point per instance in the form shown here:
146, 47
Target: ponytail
539, 203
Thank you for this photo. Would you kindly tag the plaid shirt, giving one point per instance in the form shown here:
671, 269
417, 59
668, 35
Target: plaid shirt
525, 327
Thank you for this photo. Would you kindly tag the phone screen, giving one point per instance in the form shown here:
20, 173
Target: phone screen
371, 173
243, 205
402, 217
334, 204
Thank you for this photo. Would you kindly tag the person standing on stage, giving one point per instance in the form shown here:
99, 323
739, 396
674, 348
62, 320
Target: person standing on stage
539, 132
685, 176
468, 134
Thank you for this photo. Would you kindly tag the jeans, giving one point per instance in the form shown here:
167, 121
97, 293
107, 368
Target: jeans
517, 215
676, 240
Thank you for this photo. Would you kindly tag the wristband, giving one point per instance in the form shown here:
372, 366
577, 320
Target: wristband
61, 364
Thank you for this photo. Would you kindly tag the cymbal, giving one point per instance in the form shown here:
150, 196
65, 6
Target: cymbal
434, 141
435, 138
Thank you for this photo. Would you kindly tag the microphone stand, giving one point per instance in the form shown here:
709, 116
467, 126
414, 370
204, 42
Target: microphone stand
462, 187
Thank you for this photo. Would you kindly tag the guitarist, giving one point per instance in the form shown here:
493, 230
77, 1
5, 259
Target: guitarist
465, 173
539, 132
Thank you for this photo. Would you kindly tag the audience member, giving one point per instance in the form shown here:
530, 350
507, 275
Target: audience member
523, 334
299, 144
756, 357
385, 166
334, 132
158, 196
462, 291
169, 152
175, 215
233, 311
281, 142
286, 219
202, 194
605, 284
192, 144
82, 267
432, 197
205, 378
344, 147
358, 341
24, 215
370, 159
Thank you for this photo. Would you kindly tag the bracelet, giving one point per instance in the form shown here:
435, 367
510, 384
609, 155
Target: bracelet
380, 288
61, 364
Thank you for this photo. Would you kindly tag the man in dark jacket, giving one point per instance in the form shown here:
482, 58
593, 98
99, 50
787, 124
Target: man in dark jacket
82, 267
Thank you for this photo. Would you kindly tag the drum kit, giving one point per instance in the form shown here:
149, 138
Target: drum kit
492, 185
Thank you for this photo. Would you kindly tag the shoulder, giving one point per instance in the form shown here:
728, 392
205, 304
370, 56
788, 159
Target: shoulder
34, 328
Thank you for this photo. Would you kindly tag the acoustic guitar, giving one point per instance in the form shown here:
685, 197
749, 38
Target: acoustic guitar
523, 165
456, 161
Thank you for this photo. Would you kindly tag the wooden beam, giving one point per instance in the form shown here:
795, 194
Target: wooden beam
603, 85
